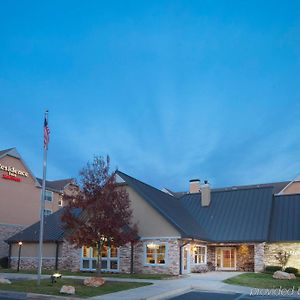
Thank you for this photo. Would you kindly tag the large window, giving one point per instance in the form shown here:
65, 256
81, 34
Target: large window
109, 258
199, 254
48, 195
155, 254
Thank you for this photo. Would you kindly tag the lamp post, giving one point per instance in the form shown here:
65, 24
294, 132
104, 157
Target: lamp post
19, 257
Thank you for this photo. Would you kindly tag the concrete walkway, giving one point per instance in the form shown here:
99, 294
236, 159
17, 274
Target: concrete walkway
164, 289
161, 289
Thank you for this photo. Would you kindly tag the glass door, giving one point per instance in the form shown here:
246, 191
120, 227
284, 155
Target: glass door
185, 259
226, 258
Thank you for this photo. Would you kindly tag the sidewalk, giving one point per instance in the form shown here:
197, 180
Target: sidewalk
160, 289
163, 289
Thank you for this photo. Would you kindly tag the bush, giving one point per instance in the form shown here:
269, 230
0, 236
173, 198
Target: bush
272, 269
291, 270
4, 262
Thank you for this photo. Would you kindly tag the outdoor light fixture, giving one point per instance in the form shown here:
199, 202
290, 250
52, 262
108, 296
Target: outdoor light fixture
152, 246
19, 256
54, 277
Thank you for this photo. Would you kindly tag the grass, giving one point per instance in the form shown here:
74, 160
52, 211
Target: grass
260, 280
116, 275
46, 287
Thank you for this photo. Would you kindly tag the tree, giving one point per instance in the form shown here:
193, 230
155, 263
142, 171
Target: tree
282, 257
99, 212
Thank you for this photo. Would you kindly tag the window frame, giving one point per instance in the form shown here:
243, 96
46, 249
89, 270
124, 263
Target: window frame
108, 259
60, 202
166, 244
47, 191
199, 255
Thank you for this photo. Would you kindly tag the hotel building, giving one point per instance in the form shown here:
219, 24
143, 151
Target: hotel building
20, 194
238, 228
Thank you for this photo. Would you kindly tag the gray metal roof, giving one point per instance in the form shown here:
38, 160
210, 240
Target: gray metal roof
56, 185
234, 215
285, 222
6, 151
168, 206
53, 230
277, 187
251, 214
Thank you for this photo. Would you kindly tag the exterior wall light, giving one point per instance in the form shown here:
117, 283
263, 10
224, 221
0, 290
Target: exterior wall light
153, 246
19, 256
54, 277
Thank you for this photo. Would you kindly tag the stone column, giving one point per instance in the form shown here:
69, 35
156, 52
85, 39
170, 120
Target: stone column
259, 257
70, 257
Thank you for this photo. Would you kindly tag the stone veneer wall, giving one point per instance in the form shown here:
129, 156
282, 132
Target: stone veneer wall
27, 263
259, 257
70, 257
272, 249
6, 231
68, 260
211, 256
172, 266
125, 258
245, 258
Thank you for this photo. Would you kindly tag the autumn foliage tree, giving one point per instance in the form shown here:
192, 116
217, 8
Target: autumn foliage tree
98, 214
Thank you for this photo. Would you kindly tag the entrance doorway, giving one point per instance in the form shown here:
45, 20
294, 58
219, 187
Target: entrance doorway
226, 258
186, 259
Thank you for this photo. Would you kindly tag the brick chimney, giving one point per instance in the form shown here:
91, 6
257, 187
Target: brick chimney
205, 193
194, 186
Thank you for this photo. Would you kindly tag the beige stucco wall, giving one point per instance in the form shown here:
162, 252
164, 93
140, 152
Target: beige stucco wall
293, 188
31, 250
150, 222
20, 201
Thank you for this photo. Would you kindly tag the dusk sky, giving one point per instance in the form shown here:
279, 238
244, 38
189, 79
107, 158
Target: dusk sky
171, 90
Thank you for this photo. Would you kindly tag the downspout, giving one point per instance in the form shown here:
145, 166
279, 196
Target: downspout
131, 257
56, 256
180, 256
9, 256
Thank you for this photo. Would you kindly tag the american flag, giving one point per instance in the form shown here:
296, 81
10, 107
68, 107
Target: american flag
46, 134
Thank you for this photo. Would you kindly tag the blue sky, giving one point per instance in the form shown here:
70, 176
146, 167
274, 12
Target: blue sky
171, 90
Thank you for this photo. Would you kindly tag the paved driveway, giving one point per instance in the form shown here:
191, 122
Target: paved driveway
197, 295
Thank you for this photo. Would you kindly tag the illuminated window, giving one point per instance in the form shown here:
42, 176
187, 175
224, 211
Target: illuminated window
85, 251
48, 195
109, 258
155, 253
60, 202
199, 254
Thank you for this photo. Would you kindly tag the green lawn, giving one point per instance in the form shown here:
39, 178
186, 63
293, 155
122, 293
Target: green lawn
260, 280
46, 287
117, 275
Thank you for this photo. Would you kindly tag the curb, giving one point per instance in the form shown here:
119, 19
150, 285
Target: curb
169, 294
28, 296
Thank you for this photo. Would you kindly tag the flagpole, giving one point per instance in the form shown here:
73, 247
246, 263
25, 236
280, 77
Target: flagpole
40, 253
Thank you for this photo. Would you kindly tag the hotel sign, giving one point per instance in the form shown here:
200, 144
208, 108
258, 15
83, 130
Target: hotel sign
12, 173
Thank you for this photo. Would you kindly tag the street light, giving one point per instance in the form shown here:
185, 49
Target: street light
20, 246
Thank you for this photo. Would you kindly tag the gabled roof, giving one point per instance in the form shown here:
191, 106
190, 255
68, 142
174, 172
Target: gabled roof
239, 215
53, 230
7, 151
168, 206
233, 215
56, 185
14, 153
285, 222
277, 187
